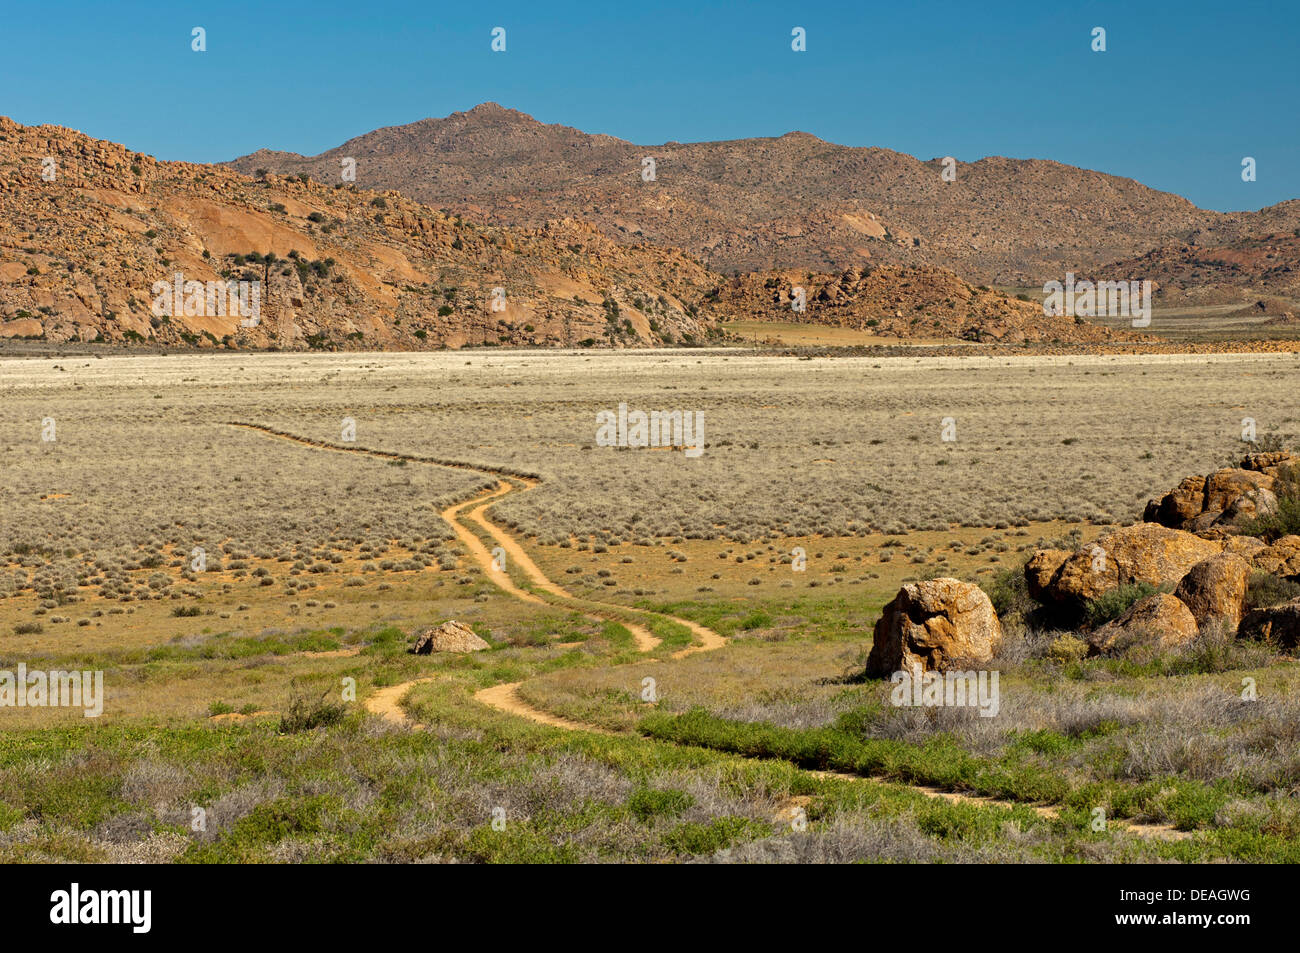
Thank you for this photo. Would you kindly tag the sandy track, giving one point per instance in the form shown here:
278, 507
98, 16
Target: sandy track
505, 697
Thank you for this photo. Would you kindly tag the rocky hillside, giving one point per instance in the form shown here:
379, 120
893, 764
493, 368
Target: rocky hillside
87, 228
793, 201
1245, 269
904, 302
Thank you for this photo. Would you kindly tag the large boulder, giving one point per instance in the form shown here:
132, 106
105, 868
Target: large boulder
1224, 487
1041, 568
937, 624
1144, 552
1282, 558
1216, 589
1279, 625
1160, 619
448, 637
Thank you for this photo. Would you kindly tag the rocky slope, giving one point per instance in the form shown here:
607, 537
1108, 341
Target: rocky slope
80, 255
1249, 268
903, 302
792, 201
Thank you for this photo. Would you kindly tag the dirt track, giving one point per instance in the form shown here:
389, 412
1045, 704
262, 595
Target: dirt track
387, 702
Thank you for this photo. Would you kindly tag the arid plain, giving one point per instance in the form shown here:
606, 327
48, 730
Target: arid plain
244, 545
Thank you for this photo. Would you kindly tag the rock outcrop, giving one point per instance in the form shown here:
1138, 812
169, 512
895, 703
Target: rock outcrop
1218, 503
1282, 558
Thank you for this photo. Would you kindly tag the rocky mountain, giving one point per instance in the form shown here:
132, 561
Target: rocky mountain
94, 235
102, 244
794, 201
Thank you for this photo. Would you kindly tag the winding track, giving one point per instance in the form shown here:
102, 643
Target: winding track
387, 701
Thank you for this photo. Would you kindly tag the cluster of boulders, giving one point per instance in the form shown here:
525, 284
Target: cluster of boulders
1190, 548
1216, 504
1209, 578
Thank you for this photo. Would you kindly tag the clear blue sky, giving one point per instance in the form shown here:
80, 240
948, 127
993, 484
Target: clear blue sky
1183, 92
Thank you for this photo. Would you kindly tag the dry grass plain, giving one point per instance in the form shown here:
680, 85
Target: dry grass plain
321, 562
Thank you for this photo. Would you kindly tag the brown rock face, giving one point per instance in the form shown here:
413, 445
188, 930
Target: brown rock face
1278, 625
1216, 589
1280, 559
1144, 552
1041, 568
1159, 617
937, 625
1245, 546
352, 269
448, 637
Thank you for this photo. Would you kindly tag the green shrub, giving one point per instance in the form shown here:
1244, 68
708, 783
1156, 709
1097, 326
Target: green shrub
1008, 592
1068, 648
305, 713
1111, 605
647, 803
1286, 521
722, 832
1269, 590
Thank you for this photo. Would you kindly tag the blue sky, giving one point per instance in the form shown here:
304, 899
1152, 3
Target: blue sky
1183, 92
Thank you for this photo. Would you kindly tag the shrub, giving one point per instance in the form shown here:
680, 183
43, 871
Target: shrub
1009, 593
182, 612
305, 713
1067, 648
1286, 521
647, 803
1269, 590
1111, 605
